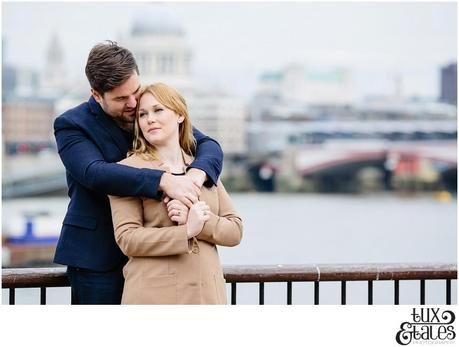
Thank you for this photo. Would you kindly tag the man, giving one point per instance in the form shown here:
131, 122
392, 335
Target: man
91, 139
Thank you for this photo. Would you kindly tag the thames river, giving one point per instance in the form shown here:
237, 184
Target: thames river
309, 229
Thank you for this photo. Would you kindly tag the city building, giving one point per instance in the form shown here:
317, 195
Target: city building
27, 124
8, 74
8, 81
448, 92
296, 91
22, 82
221, 116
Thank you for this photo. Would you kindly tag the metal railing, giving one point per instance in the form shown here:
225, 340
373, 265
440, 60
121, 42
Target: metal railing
56, 277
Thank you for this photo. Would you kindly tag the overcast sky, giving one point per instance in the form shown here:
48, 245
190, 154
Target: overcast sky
233, 43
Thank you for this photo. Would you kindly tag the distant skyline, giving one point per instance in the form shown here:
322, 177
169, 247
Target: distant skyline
233, 43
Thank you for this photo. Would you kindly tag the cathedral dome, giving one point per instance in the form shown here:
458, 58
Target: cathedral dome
156, 23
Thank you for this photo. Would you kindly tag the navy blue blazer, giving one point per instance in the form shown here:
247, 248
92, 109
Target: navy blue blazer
89, 144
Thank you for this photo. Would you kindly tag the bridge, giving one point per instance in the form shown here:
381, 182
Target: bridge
342, 164
33, 175
312, 159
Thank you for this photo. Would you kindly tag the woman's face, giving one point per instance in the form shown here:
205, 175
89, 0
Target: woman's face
158, 124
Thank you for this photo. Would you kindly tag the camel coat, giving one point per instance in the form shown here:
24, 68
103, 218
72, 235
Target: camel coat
165, 267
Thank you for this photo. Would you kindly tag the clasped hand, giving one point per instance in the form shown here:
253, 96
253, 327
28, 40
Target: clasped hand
183, 205
194, 218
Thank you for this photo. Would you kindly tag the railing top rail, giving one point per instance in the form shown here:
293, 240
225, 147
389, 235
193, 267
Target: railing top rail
34, 277
56, 277
339, 272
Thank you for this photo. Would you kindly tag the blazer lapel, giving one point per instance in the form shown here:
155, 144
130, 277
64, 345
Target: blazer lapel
109, 126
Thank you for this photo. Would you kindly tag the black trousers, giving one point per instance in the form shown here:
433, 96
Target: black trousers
96, 288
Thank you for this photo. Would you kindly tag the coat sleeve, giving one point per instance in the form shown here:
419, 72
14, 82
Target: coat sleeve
226, 228
86, 164
209, 157
135, 240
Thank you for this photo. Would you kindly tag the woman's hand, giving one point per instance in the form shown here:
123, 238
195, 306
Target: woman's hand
199, 214
177, 211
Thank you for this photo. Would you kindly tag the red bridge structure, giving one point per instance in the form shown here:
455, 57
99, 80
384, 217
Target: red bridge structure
433, 164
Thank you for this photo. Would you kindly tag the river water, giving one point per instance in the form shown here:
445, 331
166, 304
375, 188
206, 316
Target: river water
311, 229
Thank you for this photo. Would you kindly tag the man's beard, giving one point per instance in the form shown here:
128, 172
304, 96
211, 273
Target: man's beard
126, 119
126, 122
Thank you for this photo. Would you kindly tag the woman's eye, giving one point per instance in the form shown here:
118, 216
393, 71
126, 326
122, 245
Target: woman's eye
158, 109
142, 114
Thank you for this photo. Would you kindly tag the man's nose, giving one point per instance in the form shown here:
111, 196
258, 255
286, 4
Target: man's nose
132, 102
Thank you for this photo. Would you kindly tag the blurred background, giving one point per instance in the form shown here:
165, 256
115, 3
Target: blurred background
338, 120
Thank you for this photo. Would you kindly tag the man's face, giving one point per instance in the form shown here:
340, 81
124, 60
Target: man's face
120, 102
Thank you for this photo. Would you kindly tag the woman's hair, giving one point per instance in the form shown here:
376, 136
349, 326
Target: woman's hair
171, 99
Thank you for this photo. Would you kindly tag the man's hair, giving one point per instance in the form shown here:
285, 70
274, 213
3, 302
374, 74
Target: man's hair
109, 66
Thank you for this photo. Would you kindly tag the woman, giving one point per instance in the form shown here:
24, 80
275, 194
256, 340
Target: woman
172, 251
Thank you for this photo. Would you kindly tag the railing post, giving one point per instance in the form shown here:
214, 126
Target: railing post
12, 298
448, 292
261, 296
42, 295
396, 292
423, 292
370, 292
73, 299
343, 292
233, 293
316, 292
289, 293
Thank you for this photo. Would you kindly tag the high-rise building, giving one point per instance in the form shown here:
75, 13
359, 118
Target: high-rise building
8, 74
448, 93
8, 81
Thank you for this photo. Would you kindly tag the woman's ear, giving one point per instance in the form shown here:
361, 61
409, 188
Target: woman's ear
180, 119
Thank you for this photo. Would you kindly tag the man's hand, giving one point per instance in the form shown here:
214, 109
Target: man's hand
181, 188
198, 176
